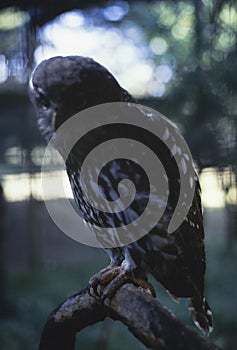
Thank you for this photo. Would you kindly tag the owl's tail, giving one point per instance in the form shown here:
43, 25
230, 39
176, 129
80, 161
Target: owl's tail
201, 313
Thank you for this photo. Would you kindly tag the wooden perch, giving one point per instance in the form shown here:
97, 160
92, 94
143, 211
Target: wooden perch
145, 317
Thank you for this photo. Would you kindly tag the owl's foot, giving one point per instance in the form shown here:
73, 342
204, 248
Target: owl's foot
124, 278
98, 282
106, 282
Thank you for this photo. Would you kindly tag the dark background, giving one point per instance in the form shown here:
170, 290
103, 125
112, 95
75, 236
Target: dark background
179, 57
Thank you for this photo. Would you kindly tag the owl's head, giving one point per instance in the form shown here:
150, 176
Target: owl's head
64, 86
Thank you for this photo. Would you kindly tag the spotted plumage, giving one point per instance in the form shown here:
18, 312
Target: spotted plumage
63, 86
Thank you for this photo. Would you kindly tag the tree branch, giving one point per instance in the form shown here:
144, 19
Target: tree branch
145, 317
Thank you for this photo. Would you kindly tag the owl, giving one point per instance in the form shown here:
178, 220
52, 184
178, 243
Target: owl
64, 86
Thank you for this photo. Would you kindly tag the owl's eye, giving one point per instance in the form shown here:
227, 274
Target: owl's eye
42, 98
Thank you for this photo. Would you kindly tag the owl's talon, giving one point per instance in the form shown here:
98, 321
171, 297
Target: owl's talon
98, 282
93, 288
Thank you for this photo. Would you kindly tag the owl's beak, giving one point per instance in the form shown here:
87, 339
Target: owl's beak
54, 117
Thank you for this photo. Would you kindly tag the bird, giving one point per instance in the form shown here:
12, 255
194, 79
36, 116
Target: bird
65, 85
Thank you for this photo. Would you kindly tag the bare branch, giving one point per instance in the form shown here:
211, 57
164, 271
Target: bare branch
145, 317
